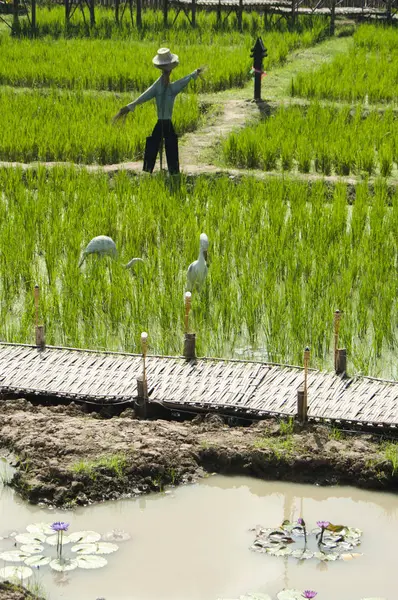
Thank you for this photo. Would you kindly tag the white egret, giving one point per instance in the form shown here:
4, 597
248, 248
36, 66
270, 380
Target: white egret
197, 270
105, 246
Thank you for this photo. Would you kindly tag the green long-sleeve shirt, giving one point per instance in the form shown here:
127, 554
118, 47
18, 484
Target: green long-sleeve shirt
164, 95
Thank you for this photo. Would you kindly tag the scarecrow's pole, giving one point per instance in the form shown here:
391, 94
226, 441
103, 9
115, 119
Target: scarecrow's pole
258, 53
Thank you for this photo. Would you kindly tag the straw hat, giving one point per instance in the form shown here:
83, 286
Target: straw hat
164, 58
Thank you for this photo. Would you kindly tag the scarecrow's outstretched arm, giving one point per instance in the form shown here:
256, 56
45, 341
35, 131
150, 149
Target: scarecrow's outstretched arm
180, 84
145, 96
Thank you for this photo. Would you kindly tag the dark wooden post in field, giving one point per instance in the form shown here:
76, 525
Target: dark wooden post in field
219, 13
39, 329
15, 18
302, 392
165, 7
141, 404
332, 17
33, 17
258, 53
293, 12
193, 13
139, 14
91, 8
117, 5
240, 15
389, 12
189, 338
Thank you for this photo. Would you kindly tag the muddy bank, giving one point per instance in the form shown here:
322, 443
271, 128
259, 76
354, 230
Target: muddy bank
10, 591
67, 457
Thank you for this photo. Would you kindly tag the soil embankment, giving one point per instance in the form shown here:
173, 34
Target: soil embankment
10, 591
67, 457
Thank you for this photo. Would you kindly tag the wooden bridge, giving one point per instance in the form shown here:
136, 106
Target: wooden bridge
244, 389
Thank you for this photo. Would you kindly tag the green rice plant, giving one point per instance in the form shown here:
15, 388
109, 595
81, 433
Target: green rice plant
283, 255
325, 139
126, 64
52, 125
368, 72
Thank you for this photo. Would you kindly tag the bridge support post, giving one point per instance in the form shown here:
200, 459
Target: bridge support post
189, 346
341, 361
301, 405
141, 403
39, 329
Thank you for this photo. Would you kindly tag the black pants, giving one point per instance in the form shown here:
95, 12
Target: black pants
153, 144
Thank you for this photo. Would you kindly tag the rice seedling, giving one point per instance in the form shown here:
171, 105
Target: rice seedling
52, 125
282, 257
323, 139
125, 64
367, 73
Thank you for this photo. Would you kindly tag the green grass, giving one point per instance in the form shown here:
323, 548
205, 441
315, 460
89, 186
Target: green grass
115, 463
327, 140
77, 126
391, 454
283, 256
126, 64
368, 72
280, 447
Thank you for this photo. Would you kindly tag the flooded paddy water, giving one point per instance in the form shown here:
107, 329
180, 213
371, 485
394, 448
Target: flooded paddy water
193, 542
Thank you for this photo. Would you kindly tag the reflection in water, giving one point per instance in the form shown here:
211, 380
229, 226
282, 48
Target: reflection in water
193, 543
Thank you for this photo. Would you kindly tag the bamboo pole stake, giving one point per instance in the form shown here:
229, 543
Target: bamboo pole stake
188, 301
306, 363
337, 317
36, 295
144, 346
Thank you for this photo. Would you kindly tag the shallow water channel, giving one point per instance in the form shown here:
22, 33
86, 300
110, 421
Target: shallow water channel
192, 543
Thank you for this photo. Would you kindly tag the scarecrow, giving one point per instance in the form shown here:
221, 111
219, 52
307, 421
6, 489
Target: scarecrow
164, 92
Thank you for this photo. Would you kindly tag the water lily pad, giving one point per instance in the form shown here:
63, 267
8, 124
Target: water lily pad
283, 552
116, 535
14, 556
97, 548
302, 554
53, 540
44, 528
38, 560
350, 556
63, 564
30, 538
290, 595
90, 561
32, 548
15, 572
84, 537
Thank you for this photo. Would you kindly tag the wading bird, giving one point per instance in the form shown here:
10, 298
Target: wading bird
197, 270
105, 246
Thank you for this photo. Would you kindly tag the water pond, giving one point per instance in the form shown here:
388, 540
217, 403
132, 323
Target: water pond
193, 542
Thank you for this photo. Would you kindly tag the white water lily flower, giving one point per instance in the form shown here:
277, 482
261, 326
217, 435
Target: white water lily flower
90, 561
14, 556
32, 548
53, 540
44, 528
97, 548
15, 572
30, 538
37, 560
63, 564
84, 537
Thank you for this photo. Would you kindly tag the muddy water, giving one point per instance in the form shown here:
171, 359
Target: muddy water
192, 543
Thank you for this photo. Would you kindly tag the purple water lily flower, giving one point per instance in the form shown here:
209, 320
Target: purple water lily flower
301, 522
323, 524
60, 526
309, 594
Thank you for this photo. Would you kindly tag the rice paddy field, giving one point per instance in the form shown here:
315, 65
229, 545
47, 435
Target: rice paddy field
284, 254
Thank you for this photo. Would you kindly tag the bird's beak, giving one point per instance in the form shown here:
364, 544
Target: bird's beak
205, 255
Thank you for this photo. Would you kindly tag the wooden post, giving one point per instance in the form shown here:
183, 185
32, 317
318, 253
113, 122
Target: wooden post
301, 412
341, 362
188, 299
193, 13
39, 329
389, 12
139, 14
189, 338
337, 317
293, 12
15, 19
33, 18
240, 15
332, 17
219, 13
165, 7
258, 52
306, 363
117, 5
141, 404
91, 7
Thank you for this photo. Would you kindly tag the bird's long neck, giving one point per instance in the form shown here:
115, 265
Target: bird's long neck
201, 257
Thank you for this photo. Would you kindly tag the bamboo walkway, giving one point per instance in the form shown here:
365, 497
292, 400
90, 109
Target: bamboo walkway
240, 388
